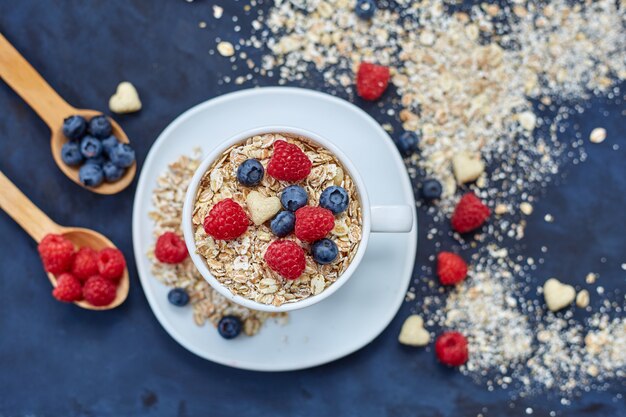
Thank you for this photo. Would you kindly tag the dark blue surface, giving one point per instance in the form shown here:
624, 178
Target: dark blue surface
57, 360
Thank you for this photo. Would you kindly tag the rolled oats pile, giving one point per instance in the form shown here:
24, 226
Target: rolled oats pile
239, 264
207, 304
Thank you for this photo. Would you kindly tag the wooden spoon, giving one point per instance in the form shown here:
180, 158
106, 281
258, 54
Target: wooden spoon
27, 82
37, 225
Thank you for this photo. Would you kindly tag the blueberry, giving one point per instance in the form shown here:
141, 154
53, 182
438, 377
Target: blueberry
90, 147
100, 127
74, 127
178, 297
250, 172
324, 251
365, 9
90, 175
283, 223
294, 197
334, 199
431, 189
122, 155
98, 160
112, 172
229, 327
407, 143
108, 144
70, 154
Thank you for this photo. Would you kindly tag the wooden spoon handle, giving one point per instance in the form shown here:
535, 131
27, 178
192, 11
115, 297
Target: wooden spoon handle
31, 86
24, 212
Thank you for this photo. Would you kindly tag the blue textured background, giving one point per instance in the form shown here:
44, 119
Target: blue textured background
57, 360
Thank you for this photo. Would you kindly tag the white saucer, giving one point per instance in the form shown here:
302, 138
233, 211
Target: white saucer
359, 311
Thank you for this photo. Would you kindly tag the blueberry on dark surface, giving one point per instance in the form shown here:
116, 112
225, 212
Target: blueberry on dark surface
90, 175
324, 251
229, 327
283, 223
407, 143
100, 127
74, 127
122, 155
98, 160
250, 172
108, 144
431, 189
365, 9
294, 197
70, 154
112, 172
335, 199
178, 297
90, 147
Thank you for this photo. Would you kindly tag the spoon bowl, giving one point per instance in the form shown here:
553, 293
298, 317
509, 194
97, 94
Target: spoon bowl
58, 139
31, 86
38, 225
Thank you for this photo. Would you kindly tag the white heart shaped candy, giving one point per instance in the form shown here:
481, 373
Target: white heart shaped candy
467, 167
557, 294
262, 208
413, 332
125, 99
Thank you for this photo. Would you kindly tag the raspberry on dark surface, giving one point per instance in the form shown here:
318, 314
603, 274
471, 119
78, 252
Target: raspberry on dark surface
451, 268
227, 220
313, 223
288, 162
470, 213
371, 81
170, 248
85, 263
111, 263
68, 289
286, 258
99, 291
57, 253
451, 349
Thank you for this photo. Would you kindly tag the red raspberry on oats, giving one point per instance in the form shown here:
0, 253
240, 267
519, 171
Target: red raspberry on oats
85, 263
170, 248
286, 258
451, 268
111, 263
313, 223
470, 213
371, 81
226, 221
451, 349
99, 291
68, 288
288, 162
57, 253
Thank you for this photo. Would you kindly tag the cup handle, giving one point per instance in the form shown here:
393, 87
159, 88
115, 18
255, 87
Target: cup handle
392, 219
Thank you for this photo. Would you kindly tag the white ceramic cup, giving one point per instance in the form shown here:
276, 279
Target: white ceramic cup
376, 219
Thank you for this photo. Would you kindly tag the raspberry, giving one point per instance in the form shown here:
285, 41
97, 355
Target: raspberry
371, 81
226, 220
111, 263
170, 248
57, 253
286, 258
68, 288
451, 349
470, 213
289, 162
313, 223
99, 291
85, 263
451, 268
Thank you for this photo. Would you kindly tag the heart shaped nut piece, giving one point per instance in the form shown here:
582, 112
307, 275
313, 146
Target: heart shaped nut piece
467, 167
262, 208
557, 294
125, 99
413, 332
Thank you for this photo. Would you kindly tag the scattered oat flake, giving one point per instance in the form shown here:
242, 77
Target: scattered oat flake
225, 48
597, 135
217, 11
